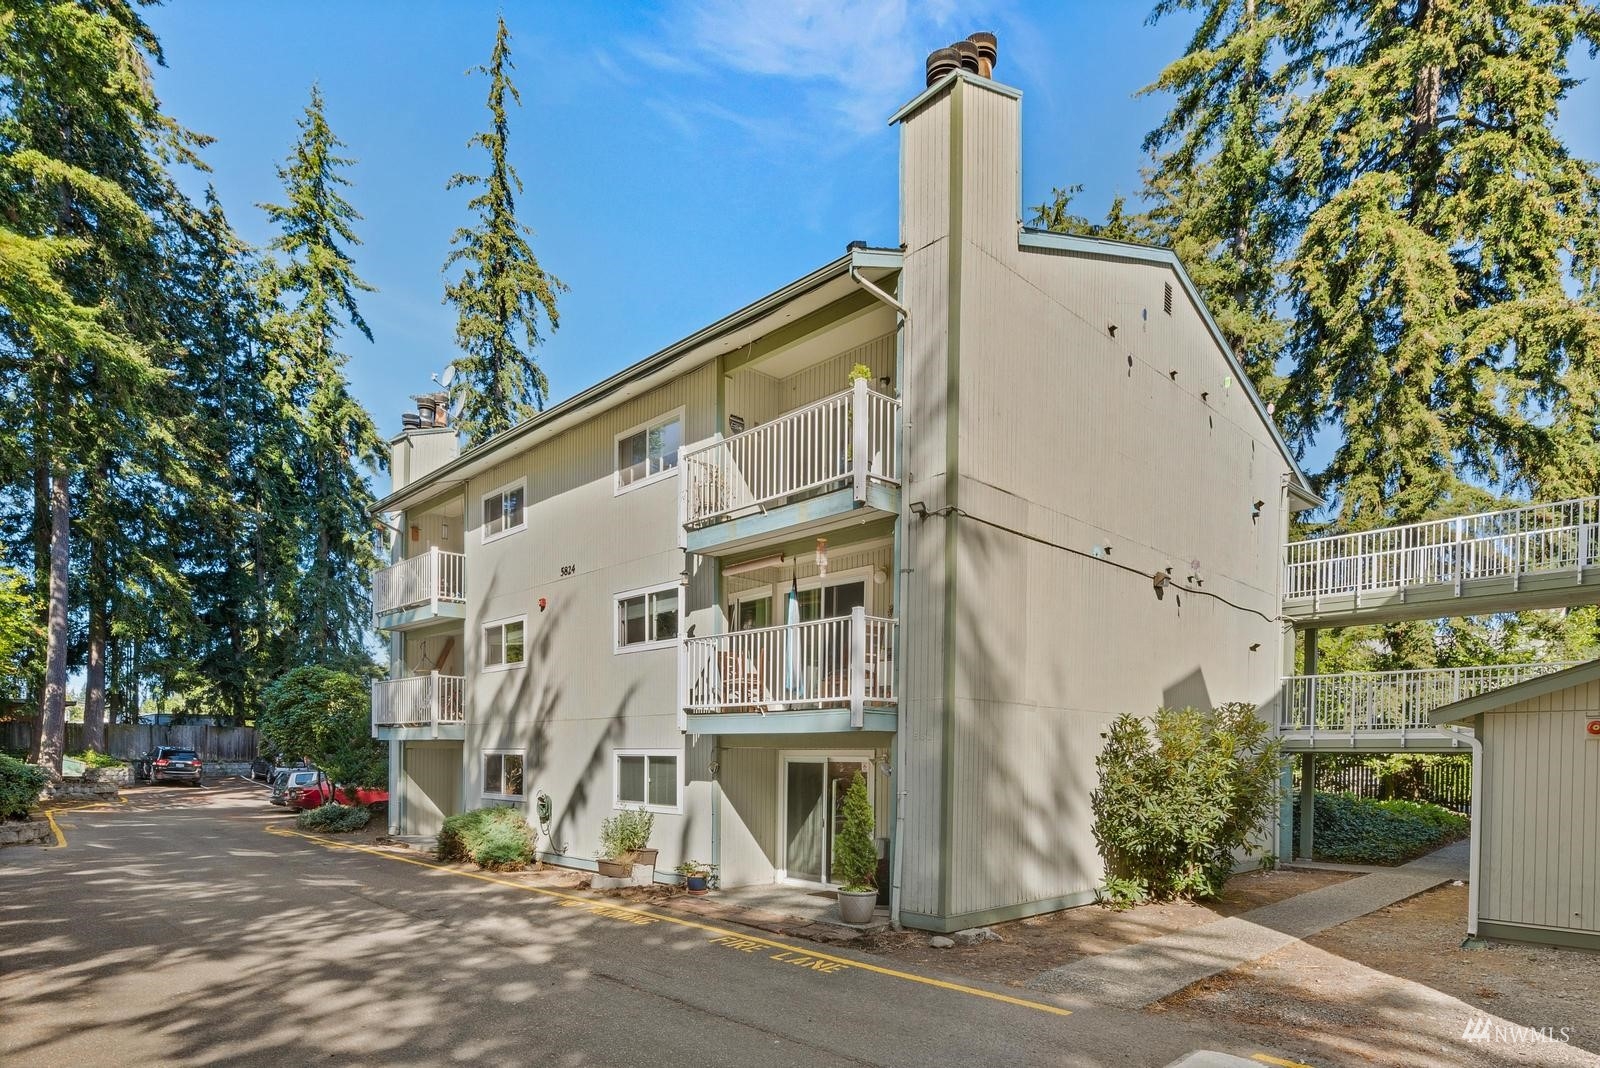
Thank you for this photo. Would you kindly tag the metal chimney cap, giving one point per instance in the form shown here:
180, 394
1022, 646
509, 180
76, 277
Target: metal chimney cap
942, 61
969, 55
988, 44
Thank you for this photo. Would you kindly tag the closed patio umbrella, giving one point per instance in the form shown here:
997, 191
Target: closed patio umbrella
794, 669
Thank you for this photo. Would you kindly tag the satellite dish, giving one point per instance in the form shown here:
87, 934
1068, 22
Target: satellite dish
449, 375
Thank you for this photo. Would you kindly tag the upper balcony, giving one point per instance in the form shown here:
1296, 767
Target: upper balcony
823, 675
1537, 556
429, 587
800, 473
429, 706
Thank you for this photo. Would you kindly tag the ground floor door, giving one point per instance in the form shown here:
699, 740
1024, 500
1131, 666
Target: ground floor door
811, 809
431, 777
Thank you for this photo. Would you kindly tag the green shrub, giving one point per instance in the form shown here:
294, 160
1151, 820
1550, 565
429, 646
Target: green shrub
99, 760
1360, 830
626, 833
1178, 796
495, 838
334, 818
855, 857
19, 787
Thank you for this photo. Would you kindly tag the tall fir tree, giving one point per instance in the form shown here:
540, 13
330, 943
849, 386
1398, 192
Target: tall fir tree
311, 286
502, 293
84, 148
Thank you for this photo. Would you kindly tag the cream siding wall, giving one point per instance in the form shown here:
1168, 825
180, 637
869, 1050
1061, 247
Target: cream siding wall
576, 700
1540, 838
430, 785
924, 281
1074, 437
432, 529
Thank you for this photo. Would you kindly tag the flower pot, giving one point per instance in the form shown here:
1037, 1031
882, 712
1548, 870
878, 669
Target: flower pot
856, 907
645, 856
615, 869
695, 884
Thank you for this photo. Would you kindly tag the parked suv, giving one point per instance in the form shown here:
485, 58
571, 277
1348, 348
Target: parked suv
262, 768
169, 763
286, 779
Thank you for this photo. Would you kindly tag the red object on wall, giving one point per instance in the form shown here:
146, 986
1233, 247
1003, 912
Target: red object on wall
1594, 728
541, 604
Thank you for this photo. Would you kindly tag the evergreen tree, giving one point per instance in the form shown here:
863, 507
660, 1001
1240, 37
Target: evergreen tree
1211, 188
502, 293
311, 287
83, 200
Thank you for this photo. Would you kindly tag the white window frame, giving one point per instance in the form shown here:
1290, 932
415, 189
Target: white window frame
645, 592
616, 780
483, 757
617, 487
483, 502
483, 634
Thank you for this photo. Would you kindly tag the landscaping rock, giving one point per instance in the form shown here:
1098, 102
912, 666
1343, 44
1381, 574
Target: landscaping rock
973, 936
24, 832
76, 789
941, 942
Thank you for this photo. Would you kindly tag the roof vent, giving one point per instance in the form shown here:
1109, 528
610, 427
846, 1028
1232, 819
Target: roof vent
942, 61
975, 55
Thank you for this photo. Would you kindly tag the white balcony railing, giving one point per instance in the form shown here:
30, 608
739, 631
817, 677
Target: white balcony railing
1539, 538
847, 661
851, 437
418, 701
426, 579
1391, 701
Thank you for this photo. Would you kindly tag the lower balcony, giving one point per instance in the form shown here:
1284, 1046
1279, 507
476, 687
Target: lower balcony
820, 676
421, 706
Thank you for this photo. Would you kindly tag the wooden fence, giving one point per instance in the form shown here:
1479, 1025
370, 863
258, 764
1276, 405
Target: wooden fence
230, 744
1443, 780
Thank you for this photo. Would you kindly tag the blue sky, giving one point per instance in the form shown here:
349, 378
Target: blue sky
681, 159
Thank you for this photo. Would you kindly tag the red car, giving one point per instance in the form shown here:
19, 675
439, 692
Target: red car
314, 796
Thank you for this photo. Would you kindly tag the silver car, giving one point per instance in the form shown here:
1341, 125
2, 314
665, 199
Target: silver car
285, 779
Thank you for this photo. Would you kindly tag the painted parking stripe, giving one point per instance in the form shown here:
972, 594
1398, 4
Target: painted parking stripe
717, 932
1278, 1062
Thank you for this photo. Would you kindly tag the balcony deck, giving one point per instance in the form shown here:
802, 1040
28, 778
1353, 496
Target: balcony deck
421, 706
1387, 711
429, 587
804, 472
817, 677
1538, 556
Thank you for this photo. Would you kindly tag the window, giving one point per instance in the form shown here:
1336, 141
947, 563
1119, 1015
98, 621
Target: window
503, 510
647, 618
648, 452
647, 778
502, 643
502, 774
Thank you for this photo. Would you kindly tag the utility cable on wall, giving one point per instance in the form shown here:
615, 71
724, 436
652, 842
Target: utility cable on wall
1161, 579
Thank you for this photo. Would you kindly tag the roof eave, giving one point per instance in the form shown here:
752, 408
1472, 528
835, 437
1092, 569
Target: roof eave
1469, 708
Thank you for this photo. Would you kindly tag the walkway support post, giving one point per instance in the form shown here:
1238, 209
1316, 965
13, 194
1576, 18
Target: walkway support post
1308, 802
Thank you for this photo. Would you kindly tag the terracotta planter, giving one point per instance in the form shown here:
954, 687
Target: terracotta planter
645, 856
856, 908
615, 869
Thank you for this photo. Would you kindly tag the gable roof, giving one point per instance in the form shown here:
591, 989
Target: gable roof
1496, 700
1106, 248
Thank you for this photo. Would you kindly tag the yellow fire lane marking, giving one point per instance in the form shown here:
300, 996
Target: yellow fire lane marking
61, 839
719, 933
1267, 1058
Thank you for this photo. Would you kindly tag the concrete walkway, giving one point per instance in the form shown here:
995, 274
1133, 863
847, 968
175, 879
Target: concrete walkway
1145, 973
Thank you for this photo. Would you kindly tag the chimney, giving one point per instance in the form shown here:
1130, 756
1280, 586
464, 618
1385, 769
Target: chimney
421, 448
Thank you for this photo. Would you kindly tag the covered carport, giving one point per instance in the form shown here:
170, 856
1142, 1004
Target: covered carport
1535, 870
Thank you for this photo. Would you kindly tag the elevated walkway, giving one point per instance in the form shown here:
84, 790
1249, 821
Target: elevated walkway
1537, 556
1387, 711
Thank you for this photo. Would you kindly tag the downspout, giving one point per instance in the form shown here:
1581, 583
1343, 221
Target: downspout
1474, 843
897, 774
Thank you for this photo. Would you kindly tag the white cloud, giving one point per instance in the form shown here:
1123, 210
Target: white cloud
858, 59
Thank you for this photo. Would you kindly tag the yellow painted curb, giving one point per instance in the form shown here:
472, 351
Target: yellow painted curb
721, 932
61, 839
1279, 1062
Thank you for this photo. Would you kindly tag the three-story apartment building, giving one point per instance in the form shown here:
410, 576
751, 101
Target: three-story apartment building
933, 514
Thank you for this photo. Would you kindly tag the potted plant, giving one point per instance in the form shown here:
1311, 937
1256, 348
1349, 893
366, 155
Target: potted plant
696, 876
855, 858
625, 841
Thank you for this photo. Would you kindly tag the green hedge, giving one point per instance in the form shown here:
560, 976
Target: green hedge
1361, 830
495, 838
19, 787
98, 760
334, 818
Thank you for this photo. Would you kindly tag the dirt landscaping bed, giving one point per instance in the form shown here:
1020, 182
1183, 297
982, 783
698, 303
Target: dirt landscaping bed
1039, 943
1387, 989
